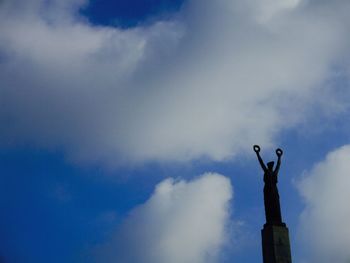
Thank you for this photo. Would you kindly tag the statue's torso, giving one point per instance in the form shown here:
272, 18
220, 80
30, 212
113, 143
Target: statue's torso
270, 178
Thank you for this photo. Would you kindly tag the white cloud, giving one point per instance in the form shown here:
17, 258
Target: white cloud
182, 222
325, 219
215, 79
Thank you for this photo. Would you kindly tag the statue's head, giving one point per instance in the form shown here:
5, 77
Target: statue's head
270, 165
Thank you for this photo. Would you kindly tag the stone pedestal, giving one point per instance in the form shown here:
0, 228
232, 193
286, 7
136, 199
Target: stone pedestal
275, 244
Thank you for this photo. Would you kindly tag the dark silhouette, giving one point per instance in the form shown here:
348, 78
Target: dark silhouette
275, 234
271, 196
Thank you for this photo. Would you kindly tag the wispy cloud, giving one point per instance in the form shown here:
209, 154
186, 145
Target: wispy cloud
182, 222
216, 78
323, 224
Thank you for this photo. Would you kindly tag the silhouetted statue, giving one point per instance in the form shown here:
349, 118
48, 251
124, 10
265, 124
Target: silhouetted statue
271, 196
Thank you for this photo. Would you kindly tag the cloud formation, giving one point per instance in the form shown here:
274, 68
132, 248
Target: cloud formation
325, 219
211, 81
182, 222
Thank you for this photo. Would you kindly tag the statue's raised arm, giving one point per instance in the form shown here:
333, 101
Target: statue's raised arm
279, 153
256, 149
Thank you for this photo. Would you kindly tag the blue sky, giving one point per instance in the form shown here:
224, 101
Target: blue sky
103, 101
129, 13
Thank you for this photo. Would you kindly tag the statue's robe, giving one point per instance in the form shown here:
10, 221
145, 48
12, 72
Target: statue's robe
272, 199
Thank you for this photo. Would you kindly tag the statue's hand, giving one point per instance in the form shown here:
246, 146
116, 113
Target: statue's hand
256, 148
279, 152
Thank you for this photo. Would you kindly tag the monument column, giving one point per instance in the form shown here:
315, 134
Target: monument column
275, 234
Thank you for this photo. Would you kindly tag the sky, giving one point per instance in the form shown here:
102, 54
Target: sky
127, 127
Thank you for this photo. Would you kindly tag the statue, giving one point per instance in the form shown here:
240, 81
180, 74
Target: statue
271, 196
